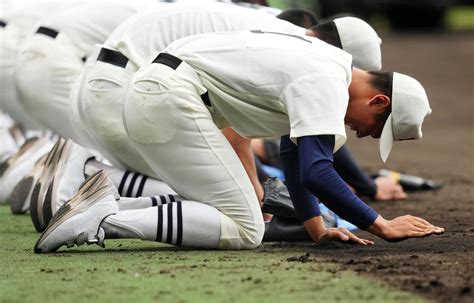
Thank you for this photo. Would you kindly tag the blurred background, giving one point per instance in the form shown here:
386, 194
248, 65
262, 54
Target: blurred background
400, 15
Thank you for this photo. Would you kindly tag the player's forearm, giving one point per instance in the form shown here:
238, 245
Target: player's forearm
243, 150
315, 228
247, 159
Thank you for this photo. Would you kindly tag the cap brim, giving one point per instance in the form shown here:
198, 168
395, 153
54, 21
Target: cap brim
386, 139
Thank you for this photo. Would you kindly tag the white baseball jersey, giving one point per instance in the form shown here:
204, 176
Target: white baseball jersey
271, 84
145, 33
91, 23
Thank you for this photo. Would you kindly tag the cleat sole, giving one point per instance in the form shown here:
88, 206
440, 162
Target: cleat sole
20, 195
35, 217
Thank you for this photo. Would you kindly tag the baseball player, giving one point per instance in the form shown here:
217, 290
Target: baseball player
103, 88
18, 22
52, 59
100, 99
262, 84
382, 188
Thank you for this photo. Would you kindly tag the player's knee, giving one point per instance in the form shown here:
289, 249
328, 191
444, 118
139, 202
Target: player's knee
241, 235
252, 233
255, 236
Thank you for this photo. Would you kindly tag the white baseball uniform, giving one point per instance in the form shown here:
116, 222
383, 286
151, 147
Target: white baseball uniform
260, 83
100, 100
19, 21
54, 57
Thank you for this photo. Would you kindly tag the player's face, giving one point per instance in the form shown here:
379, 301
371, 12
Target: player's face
362, 117
368, 127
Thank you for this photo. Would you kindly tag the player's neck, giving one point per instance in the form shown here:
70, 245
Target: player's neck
360, 84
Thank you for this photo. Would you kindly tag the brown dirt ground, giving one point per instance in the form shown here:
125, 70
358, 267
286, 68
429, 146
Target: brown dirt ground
439, 268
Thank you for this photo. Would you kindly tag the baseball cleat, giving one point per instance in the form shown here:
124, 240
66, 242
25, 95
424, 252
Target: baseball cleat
11, 138
78, 221
21, 195
20, 164
277, 201
62, 176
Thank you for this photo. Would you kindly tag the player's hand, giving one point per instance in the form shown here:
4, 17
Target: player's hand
341, 234
388, 189
402, 228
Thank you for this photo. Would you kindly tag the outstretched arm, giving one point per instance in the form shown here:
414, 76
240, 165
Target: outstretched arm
307, 205
319, 177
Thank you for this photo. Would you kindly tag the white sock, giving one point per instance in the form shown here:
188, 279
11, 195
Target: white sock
128, 183
187, 224
144, 202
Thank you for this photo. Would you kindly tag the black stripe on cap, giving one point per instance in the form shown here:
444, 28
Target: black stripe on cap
168, 60
154, 202
47, 32
112, 57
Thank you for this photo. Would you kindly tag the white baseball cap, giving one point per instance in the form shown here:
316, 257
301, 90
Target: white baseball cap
360, 40
409, 107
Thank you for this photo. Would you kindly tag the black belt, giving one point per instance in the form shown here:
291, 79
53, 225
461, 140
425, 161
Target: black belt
173, 62
3, 23
168, 60
47, 32
112, 57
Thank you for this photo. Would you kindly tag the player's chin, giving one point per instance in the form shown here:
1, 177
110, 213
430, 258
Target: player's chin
360, 134
376, 136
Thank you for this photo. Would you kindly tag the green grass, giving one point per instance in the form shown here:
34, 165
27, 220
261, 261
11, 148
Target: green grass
137, 271
460, 18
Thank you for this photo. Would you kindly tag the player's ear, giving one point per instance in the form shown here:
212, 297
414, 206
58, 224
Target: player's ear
380, 100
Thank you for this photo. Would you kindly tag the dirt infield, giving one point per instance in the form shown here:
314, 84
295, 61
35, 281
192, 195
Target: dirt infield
440, 268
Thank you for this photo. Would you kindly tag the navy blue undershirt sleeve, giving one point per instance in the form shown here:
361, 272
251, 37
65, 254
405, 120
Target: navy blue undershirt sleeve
305, 203
352, 174
316, 174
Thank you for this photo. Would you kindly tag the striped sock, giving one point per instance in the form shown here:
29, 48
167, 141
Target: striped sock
130, 184
187, 223
144, 202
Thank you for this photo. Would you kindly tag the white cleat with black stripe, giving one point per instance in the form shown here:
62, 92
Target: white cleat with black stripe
20, 164
78, 221
62, 175
21, 195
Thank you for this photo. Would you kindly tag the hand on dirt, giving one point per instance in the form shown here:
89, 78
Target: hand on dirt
319, 233
341, 234
388, 189
402, 228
